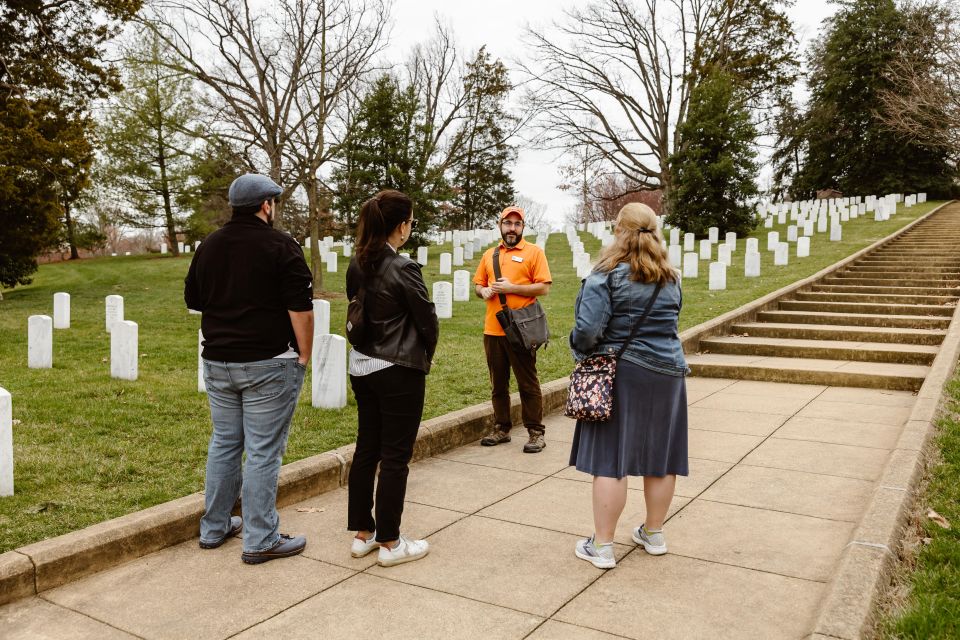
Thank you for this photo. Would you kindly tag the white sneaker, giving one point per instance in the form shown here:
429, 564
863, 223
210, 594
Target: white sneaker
405, 551
361, 548
653, 541
600, 555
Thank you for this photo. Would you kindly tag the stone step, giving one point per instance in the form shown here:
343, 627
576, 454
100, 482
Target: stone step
900, 275
821, 349
854, 319
839, 373
916, 254
827, 296
892, 309
893, 268
906, 264
839, 332
924, 291
895, 282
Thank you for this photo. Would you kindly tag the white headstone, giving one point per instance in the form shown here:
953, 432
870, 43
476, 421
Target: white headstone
163, 248
713, 234
836, 233
186, 249
201, 385
179, 248
723, 254
753, 245
751, 264
781, 255
675, 253
114, 311
443, 299
688, 241
792, 233
773, 239
808, 228
768, 223
422, 255
6, 443
306, 242
690, 263
458, 256
675, 236
329, 381
470, 247
461, 285
718, 276
821, 224
445, 264
123, 350
40, 342
731, 240
803, 247
321, 317
706, 249
331, 261
347, 251
61, 310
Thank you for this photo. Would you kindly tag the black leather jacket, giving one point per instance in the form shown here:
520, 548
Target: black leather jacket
402, 321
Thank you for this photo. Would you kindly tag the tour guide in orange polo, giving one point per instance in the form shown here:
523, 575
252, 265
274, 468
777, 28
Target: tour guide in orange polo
524, 276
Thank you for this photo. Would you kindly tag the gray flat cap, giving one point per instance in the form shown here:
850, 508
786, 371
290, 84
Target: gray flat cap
251, 189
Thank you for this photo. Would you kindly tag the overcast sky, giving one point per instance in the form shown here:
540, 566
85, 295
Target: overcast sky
499, 25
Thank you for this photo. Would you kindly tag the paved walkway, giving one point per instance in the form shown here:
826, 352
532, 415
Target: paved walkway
780, 476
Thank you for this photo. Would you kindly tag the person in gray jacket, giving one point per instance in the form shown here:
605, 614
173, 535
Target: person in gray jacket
646, 434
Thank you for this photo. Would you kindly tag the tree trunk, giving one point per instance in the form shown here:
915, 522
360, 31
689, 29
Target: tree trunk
74, 254
165, 187
316, 260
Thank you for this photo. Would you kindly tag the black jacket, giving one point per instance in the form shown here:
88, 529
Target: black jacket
402, 322
244, 278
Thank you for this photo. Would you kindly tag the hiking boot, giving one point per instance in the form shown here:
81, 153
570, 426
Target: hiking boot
535, 443
236, 526
495, 437
653, 541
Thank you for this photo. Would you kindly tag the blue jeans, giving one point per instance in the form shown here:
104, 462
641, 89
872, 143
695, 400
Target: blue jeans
251, 405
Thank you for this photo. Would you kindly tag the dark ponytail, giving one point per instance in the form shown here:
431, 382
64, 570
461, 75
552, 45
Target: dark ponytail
379, 216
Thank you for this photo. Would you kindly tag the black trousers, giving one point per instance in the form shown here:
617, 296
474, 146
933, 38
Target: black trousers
389, 409
501, 358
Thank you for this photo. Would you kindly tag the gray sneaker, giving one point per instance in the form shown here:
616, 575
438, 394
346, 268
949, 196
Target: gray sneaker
653, 541
536, 443
495, 437
601, 556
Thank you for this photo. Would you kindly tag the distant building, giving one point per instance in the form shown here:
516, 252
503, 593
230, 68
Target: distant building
828, 194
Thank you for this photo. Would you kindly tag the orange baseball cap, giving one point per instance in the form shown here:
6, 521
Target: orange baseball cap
512, 209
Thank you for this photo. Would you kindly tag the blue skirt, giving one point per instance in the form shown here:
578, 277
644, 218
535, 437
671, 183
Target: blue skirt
647, 431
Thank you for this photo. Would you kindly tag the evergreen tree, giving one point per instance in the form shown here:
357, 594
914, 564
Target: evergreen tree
714, 168
147, 141
483, 184
848, 146
788, 146
384, 152
212, 168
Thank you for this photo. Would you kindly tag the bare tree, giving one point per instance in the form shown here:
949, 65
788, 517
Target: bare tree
534, 214
259, 66
924, 101
616, 77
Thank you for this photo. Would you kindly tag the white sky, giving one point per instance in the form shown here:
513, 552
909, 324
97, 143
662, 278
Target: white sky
499, 24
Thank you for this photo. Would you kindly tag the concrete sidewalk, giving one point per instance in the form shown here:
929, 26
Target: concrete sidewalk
780, 477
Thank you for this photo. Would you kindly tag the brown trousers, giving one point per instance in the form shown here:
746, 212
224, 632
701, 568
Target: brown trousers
501, 357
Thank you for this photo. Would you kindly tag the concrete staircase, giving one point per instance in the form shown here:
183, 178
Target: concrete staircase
878, 322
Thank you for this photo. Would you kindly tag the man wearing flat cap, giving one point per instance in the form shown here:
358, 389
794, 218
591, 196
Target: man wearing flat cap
524, 276
254, 289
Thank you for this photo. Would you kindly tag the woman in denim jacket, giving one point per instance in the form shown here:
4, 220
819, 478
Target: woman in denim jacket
647, 431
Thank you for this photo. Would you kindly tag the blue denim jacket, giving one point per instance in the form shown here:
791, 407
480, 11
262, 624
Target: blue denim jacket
598, 328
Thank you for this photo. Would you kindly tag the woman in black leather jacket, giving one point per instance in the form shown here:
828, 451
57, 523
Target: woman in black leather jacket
388, 371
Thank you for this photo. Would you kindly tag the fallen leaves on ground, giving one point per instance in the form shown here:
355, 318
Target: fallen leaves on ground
310, 510
939, 519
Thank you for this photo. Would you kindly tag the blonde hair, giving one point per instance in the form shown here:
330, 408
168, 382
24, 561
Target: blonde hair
638, 242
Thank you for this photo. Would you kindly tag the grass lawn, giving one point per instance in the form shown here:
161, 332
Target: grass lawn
930, 577
88, 448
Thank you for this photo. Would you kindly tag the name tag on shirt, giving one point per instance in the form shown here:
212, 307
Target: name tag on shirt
517, 259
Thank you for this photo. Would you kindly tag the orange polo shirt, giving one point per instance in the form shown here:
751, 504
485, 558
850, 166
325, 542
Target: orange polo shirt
522, 264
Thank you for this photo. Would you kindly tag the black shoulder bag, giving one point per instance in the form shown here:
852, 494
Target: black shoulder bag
590, 396
526, 328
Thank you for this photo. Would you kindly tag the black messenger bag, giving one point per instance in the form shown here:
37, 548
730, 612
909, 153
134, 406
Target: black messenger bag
526, 328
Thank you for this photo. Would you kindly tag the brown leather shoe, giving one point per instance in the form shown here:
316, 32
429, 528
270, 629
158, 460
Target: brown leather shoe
535, 443
236, 526
495, 437
286, 546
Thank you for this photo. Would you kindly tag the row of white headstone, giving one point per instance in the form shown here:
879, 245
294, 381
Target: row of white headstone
123, 336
